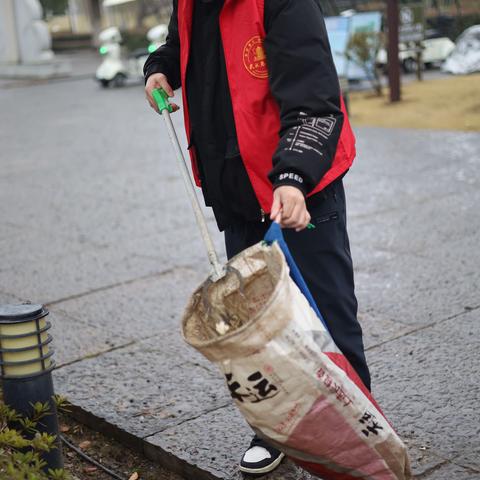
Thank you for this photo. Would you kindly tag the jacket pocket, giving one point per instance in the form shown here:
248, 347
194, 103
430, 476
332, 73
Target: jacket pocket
327, 217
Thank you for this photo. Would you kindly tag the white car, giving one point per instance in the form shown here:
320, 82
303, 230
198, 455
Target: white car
434, 51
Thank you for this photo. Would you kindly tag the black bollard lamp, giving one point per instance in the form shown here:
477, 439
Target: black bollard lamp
26, 366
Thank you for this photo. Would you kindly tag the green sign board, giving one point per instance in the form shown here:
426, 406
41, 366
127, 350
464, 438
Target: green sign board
412, 22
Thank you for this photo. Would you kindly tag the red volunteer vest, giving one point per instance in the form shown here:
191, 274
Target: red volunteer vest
256, 112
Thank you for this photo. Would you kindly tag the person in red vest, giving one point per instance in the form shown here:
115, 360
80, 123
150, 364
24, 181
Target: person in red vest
269, 140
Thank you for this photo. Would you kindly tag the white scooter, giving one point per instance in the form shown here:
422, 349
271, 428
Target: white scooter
157, 36
115, 69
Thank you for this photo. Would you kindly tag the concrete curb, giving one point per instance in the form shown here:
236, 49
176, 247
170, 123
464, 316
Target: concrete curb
140, 445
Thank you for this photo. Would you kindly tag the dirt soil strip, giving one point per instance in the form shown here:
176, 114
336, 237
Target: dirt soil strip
450, 103
125, 462
120, 451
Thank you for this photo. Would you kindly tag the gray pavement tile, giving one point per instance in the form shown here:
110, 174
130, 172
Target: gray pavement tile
414, 290
128, 312
8, 231
28, 247
365, 256
377, 329
101, 208
95, 129
142, 304
145, 387
214, 443
422, 459
85, 200
403, 152
183, 247
433, 200
128, 209
74, 338
451, 471
470, 459
427, 384
84, 62
368, 197
118, 222
53, 278
420, 228
7, 298
389, 216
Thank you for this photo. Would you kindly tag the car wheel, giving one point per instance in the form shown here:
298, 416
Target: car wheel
119, 80
409, 65
104, 83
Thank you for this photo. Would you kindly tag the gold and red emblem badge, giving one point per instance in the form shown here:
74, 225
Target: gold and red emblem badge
254, 57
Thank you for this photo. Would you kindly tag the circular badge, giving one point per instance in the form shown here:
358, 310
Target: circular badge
254, 57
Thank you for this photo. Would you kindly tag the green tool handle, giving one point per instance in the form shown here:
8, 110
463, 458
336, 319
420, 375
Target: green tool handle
164, 107
161, 99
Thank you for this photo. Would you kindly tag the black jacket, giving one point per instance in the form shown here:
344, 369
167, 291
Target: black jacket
302, 79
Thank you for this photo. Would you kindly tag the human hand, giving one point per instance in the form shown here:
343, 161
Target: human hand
158, 80
289, 208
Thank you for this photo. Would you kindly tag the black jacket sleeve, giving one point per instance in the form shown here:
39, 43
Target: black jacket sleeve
304, 82
166, 59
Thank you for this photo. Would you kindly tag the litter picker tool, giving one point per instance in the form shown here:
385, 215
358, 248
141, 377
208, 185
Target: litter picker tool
222, 322
165, 108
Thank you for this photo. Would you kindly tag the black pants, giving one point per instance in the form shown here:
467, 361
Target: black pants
323, 256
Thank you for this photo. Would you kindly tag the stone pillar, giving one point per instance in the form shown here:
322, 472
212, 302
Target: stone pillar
8, 33
25, 43
33, 36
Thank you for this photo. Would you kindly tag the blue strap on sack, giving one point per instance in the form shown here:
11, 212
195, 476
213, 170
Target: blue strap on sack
274, 234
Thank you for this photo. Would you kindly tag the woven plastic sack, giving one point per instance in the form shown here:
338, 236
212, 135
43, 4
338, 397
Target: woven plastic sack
289, 380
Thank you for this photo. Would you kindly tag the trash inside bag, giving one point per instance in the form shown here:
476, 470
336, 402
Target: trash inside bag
289, 380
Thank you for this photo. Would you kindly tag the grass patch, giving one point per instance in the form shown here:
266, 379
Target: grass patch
450, 103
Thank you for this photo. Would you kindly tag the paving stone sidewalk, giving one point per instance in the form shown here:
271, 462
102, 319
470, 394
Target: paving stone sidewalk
95, 223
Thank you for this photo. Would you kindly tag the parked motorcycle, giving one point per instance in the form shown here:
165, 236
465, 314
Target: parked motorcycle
116, 68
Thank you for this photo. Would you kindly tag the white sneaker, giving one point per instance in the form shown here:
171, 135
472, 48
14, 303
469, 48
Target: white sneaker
260, 458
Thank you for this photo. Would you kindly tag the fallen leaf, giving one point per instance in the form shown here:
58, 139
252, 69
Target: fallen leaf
165, 414
134, 476
89, 470
85, 444
64, 428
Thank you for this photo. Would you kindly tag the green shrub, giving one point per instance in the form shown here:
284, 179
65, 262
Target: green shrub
22, 445
362, 49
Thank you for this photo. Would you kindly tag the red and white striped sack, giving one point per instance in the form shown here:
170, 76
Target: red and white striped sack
287, 377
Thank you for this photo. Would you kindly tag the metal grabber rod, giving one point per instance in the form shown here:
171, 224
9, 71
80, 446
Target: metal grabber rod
165, 108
